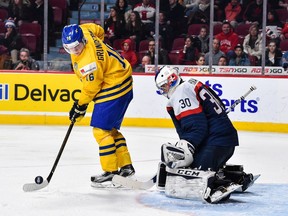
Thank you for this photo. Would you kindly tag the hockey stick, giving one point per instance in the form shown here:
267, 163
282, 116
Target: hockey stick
134, 184
39, 183
252, 88
144, 185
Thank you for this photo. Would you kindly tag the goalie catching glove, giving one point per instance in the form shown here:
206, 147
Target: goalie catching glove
178, 155
77, 112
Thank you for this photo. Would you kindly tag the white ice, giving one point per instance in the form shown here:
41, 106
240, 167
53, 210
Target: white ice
29, 151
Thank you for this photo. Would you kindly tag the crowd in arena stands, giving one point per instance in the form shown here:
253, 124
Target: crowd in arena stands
237, 39
130, 28
17, 13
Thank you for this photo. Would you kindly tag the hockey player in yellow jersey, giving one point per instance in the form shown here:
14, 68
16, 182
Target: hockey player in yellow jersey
107, 81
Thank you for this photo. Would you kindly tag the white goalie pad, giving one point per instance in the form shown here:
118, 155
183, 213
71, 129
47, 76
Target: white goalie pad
187, 183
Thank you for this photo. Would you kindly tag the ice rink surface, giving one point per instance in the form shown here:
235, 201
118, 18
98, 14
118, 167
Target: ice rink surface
29, 151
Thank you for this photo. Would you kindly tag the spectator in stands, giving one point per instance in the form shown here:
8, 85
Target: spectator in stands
124, 9
228, 39
200, 59
134, 29
254, 13
163, 57
273, 26
222, 61
202, 40
284, 32
37, 9
253, 43
26, 62
240, 58
176, 18
19, 11
146, 60
165, 31
187, 56
128, 53
233, 12
190, 6
11, 40
201, 15
219, 9
114, 25
146, 11
216, 53
273, 55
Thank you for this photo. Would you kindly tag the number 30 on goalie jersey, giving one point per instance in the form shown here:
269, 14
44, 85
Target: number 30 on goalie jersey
192, 97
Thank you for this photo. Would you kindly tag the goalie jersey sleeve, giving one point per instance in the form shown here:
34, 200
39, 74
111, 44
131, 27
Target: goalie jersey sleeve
199, 116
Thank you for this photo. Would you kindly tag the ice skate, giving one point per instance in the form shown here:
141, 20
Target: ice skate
127, 171
104, 180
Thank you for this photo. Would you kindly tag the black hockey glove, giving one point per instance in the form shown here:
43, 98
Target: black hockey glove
77, 112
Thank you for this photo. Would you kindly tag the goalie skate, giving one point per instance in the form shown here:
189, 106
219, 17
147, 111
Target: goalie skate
248, 182
221, 193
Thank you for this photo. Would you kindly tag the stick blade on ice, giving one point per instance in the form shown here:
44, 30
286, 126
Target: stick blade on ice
29, 187
132, 183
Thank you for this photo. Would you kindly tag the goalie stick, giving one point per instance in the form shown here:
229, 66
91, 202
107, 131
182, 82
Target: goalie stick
252, 88
34, 186
144, 185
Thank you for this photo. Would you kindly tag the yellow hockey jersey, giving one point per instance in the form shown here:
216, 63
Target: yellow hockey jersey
105, 74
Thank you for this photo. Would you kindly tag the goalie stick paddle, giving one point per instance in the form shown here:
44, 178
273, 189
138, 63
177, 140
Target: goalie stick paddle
34, 186
134, 184
144, 185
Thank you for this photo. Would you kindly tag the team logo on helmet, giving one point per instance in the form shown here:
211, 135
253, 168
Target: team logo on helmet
167, 79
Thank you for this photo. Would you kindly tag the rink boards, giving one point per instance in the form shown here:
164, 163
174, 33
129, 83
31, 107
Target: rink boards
46, 98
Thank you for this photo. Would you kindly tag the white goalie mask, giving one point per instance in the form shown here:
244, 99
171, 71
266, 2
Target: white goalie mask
178, 155
167, 80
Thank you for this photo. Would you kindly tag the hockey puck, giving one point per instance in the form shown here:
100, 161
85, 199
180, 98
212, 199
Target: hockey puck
38, 180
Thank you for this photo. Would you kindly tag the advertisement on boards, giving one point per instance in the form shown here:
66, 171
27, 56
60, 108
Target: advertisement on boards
36, 92
46, 98
230, 70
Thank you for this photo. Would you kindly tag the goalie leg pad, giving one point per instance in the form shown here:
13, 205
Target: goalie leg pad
187, 183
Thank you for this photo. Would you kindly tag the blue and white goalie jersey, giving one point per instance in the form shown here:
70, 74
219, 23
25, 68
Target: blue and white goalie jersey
199, 116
